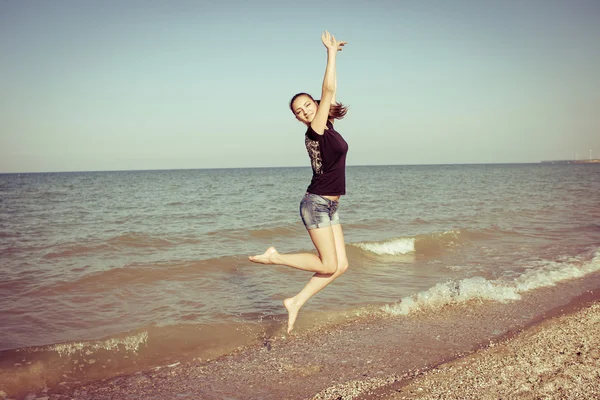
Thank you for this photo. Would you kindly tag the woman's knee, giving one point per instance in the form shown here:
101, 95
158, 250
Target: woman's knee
330, 266
342, 266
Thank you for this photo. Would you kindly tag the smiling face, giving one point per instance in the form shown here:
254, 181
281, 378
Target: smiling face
305, 108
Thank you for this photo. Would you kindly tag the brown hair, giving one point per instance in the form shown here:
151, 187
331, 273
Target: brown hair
336, 111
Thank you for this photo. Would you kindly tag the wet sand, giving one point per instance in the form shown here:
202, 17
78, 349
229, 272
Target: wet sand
557, 359
368, 359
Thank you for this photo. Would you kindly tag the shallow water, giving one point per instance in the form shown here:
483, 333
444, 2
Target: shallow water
136, 268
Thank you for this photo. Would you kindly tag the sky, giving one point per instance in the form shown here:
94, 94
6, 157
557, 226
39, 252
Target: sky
129, 85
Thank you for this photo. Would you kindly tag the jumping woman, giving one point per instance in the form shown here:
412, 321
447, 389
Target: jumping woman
318, 208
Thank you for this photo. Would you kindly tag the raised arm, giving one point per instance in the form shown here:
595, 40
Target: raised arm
319, 123
332, 120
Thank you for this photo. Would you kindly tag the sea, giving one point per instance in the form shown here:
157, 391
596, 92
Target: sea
110, 273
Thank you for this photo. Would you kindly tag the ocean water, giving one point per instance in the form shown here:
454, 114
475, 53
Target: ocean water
104, 273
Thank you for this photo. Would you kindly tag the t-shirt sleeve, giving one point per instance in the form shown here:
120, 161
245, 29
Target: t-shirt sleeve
312, 135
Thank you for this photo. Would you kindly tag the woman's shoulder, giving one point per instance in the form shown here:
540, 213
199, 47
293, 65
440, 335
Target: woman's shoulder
313, 135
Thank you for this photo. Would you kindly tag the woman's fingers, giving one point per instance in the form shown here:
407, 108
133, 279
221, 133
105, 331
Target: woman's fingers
330, 41
326, 38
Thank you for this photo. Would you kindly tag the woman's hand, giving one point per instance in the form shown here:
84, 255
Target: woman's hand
330, 42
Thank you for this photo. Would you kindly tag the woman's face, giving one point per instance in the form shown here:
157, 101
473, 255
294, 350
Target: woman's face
305, 109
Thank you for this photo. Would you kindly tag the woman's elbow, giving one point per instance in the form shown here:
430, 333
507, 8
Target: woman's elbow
328, 88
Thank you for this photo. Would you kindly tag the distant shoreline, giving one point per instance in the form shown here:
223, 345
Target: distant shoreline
593, 161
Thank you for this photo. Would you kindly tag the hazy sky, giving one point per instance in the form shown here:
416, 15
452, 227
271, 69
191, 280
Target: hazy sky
114, 85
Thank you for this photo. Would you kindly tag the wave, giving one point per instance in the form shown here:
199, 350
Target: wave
125, 241
130, 343
369, 224
478, 288
431, 243
146, 274
388, 247
76, 250
33, 368
139, 240
287, 230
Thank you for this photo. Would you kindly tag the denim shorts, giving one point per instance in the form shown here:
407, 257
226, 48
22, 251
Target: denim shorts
318, 212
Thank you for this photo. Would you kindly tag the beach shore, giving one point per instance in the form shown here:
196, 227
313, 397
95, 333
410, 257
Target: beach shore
556, 358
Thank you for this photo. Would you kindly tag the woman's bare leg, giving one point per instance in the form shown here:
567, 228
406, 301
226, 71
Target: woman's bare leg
318, 281
325, 263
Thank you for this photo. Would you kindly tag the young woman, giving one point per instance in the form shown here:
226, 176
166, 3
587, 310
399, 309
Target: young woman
318, 208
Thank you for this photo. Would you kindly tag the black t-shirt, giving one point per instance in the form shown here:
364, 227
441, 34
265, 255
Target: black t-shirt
328, 159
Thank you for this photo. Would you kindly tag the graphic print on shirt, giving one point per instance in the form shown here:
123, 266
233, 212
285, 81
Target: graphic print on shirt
312, 146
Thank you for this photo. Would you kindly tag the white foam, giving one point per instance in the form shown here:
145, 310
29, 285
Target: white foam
390, 247
553, 272
478, 288
130, 343
454, 292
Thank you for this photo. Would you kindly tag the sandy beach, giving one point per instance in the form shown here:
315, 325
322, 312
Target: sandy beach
558, 357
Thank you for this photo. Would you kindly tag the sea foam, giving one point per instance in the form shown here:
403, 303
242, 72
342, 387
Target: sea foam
503, 291
424, 243
390, 247
128, 343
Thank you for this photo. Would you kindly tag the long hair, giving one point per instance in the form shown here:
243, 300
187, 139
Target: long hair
336, 111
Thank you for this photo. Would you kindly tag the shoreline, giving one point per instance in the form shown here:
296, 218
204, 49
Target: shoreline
365, 358
558, 358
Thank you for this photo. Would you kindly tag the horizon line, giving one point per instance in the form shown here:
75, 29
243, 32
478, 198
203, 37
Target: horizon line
263, 167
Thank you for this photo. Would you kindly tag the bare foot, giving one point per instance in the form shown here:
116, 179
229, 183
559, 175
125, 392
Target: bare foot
292, 308
266, 257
